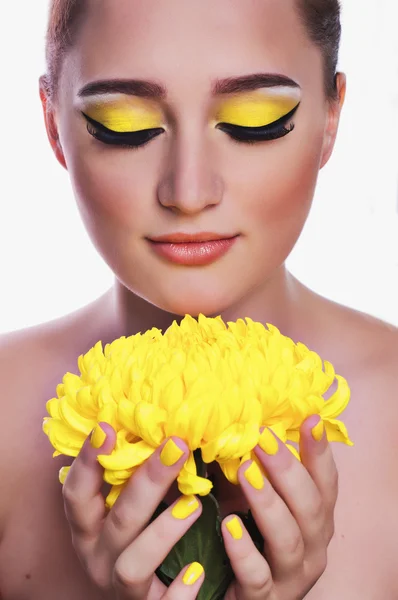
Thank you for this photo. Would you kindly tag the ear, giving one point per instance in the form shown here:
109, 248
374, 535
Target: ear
49, 118
333, 119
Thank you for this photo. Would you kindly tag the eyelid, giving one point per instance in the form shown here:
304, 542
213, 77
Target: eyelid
122, 119
281, 121
255, 112
251, 135
105, 129
241, 134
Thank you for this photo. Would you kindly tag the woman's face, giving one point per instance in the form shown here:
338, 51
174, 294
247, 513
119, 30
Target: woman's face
193, 176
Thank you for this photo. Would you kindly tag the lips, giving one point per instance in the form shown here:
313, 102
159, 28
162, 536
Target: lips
178, 238
198, 249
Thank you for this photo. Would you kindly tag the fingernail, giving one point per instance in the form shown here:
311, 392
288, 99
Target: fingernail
185, 506
235, 528
254, 476
268, 442
63, 473
98, 437
193, 573
170, 454
317, 431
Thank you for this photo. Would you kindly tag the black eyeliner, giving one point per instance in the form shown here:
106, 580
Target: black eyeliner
120, 138
274, 130
238, 133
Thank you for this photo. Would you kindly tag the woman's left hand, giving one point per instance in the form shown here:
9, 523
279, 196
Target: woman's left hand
293, 511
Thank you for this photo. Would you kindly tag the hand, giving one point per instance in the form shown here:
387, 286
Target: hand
293, 511
118, 550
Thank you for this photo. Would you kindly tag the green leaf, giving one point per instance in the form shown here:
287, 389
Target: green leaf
202, 543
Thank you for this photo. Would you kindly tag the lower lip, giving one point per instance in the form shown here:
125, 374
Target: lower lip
193, 253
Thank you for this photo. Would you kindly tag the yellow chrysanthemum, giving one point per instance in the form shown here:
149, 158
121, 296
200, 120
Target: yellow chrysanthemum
210, 384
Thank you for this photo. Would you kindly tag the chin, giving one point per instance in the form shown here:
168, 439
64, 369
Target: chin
209, 305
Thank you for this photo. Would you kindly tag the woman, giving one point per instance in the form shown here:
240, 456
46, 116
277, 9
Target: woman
193, 133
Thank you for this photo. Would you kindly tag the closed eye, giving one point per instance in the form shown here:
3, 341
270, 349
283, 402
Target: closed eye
240, 134
126, 139
252, 135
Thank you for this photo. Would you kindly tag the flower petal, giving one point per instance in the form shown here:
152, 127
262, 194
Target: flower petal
293, 451
118, 477
126, 457
188, 481
150, 421
108, 414
230, 469
336, 431
73, 419
52, 407
338, 401
114, 495
211, 384
280, 430
293, 435
64, 439
234, 442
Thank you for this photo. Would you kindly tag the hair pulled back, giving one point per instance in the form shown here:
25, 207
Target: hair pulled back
321, 18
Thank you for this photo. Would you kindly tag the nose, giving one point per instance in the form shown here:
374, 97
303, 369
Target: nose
190, 184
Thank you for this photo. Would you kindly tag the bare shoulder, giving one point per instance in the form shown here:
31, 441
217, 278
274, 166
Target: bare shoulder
361, 344
364, 350
32, 363
378, 369
40, 355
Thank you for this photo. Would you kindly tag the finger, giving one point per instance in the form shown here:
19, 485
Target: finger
317, 457
283, 542
252, 572
295, 486
188, 583
142, 495
135, 567
84, 503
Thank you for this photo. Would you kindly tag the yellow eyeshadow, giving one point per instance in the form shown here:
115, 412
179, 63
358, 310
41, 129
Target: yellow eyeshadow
124, 118
255, 110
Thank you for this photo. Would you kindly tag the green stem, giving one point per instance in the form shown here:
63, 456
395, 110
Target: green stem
201, 468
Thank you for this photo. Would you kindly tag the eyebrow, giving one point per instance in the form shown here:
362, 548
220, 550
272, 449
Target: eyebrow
154, 90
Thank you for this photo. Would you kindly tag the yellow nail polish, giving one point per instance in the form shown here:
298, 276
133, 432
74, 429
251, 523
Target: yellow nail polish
235, 528
171, 453
193, 573
268, 442
317, 431
254, 476
98, 437
63, 473
185, 506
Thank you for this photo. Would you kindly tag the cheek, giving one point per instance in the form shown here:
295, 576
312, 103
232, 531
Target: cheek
283, 183
110, 188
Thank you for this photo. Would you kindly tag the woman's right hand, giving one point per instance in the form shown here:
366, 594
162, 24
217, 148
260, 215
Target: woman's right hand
118, 549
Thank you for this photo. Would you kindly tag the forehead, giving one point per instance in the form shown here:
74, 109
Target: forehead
185, 43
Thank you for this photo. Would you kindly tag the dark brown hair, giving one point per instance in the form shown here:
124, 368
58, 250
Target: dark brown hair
321, 18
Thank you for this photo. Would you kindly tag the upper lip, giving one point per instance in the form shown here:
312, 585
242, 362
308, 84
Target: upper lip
178, 238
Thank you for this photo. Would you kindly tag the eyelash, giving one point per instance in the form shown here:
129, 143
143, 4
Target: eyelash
240, 135
131, 140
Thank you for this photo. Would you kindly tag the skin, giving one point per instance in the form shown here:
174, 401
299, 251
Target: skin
122, 114
192, 178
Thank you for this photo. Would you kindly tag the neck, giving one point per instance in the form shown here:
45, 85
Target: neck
281, 301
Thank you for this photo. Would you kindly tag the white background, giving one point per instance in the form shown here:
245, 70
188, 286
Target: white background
349, 248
